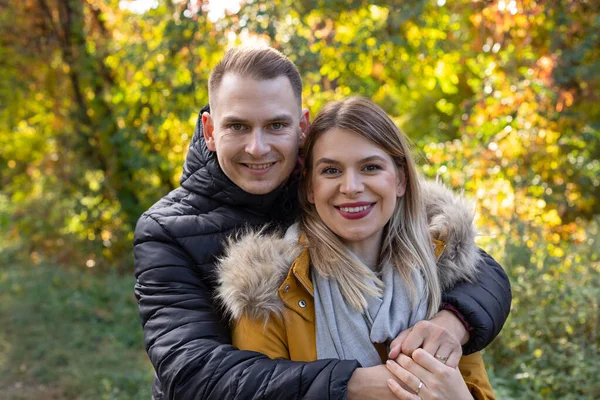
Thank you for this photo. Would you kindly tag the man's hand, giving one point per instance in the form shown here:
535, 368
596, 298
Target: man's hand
372, 383
442, 337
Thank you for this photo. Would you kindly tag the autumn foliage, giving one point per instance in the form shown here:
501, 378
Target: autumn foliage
501, 99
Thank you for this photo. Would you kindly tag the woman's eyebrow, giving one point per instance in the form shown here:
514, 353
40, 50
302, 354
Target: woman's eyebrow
325, 160
372, 158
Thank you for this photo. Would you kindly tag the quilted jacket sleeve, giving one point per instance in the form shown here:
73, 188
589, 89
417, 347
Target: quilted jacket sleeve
485, 304
188, 343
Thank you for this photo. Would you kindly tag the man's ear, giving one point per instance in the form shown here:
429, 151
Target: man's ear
401, 183
208, 129
304, 125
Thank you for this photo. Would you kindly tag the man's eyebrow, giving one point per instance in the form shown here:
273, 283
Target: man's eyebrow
231, 119
281, 118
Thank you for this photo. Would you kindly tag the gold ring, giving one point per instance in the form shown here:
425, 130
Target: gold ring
442, 359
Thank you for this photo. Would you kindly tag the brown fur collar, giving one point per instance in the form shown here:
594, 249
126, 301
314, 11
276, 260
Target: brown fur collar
255, 263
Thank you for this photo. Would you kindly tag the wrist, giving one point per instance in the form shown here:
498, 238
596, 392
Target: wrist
370, 383
355, 383
455, 323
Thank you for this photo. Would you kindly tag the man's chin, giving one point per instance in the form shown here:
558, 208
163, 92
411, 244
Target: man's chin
261, 188
259, 185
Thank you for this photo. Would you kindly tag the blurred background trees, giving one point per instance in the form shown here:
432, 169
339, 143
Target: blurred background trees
98, 99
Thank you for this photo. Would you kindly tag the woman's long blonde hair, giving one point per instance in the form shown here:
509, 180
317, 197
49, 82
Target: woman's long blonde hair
406, 242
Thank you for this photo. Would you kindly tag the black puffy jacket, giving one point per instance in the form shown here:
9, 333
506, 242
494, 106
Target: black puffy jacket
186, 336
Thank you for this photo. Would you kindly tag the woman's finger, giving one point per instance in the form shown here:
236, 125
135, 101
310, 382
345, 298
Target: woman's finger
400, 392
428, 362
409, 380
417, 370
445, 382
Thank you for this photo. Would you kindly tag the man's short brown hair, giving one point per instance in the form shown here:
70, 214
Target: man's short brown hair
261, 63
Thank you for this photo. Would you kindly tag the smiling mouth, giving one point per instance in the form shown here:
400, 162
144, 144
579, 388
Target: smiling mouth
258, 167
354, 209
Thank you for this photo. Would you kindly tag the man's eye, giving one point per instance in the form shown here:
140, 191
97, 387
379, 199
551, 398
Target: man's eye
236, 127
277, 126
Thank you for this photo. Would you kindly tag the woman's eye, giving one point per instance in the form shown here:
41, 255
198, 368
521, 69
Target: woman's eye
372, 168
329, 171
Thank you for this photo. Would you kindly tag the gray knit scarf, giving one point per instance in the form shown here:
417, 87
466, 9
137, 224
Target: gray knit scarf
344, 333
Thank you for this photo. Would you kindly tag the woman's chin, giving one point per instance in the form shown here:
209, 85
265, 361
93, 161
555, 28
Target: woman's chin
354, 237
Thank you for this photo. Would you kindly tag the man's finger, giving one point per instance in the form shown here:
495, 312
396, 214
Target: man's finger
396, 345
432, 344
454, 358
449, 354
414, 340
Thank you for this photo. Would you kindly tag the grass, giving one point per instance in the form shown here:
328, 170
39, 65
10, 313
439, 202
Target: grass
70, 335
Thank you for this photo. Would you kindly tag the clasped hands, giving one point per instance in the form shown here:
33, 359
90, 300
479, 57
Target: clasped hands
422, 364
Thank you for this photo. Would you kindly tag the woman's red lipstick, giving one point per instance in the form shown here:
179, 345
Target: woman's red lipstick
365, 209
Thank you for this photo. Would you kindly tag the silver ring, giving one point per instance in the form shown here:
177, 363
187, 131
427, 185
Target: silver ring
419, 387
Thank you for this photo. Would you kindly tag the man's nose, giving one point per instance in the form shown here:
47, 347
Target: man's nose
351, 183
258, 146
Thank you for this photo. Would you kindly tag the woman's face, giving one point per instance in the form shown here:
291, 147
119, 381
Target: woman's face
354, 185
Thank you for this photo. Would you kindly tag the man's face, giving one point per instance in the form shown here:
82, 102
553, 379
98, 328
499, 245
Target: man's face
255, 127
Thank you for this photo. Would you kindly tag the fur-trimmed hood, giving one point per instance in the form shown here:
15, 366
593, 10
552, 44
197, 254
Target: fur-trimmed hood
256, 263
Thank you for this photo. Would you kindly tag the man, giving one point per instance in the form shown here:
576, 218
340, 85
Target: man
240, 170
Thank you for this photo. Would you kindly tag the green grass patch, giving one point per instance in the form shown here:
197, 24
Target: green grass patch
70, 334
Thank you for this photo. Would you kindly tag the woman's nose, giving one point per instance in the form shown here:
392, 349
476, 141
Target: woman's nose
351, 183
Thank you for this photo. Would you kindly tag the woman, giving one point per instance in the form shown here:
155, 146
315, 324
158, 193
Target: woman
360, 266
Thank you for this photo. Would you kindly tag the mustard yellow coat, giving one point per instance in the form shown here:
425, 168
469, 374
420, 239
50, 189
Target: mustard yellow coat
290, 334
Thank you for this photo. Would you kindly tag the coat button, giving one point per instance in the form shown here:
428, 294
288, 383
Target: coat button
286, 288
302, 303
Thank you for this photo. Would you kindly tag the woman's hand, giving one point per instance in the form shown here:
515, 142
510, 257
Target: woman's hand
427, 377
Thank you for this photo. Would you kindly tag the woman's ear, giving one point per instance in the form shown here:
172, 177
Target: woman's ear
310, 195
401, 183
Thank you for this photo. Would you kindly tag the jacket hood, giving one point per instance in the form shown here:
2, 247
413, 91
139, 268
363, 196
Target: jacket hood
255, 263
202, 175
